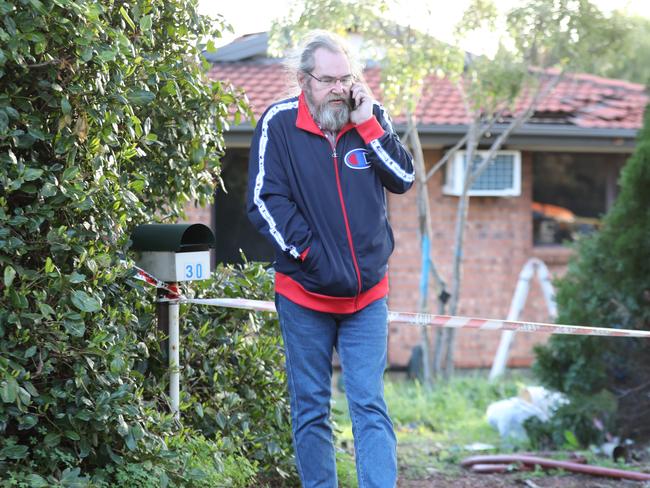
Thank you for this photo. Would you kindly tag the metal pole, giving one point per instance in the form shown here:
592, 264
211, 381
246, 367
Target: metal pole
174, 360
168, 324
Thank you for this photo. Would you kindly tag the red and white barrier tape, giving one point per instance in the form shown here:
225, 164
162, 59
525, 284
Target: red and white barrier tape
173, 293
420, 319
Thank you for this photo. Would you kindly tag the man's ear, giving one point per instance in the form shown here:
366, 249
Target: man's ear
302, 80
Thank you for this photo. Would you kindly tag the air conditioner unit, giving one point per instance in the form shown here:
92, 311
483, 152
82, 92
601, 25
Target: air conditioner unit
501, 178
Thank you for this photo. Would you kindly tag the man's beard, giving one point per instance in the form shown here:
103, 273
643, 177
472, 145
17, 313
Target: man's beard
329, 116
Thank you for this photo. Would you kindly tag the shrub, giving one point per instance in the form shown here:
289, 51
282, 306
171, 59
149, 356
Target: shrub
234, 363
106, 121
608, 284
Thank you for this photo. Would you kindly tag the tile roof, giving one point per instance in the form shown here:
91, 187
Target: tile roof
580, 100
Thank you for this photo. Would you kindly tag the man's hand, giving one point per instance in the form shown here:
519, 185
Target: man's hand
362, 103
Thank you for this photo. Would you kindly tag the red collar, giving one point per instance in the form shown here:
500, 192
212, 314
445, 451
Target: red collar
305, 121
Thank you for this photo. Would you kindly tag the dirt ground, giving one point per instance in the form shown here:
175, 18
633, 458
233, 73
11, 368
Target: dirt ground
518, 480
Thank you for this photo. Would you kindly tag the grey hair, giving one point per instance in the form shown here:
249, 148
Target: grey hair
302, 58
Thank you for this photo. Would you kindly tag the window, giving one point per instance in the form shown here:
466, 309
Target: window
571, 192
502, 177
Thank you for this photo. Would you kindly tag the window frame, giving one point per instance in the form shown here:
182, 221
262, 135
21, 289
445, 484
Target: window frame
454, 179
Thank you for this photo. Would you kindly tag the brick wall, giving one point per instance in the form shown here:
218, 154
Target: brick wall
199, 215
498, 243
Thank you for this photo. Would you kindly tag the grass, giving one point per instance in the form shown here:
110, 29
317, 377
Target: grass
435, 426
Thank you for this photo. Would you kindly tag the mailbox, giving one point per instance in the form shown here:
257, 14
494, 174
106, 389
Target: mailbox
173, 252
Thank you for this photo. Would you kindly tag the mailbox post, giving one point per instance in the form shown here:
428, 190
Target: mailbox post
173, 253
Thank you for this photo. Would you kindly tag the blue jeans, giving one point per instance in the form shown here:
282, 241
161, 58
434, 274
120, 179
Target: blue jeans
361, 340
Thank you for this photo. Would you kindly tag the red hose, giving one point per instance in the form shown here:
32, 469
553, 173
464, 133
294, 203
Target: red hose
500, 459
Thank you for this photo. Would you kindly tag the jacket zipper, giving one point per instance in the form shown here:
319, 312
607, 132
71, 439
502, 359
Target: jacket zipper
345, 216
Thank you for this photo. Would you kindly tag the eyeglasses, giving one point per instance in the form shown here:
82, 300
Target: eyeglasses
330, 81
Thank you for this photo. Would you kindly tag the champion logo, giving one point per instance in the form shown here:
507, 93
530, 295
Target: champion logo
356, 159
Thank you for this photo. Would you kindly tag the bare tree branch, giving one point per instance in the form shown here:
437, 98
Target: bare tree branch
41, 65
446, 157
517, 122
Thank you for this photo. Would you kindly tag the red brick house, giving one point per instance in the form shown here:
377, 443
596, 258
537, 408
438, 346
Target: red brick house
569, 156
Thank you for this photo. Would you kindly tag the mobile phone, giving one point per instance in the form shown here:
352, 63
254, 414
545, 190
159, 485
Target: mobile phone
353, 102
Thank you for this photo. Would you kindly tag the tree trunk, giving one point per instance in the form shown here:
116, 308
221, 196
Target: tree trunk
459, 241
424, 226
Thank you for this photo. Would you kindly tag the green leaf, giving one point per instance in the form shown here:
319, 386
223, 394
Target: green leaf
74, 328
10, 274
52, 439
70, 173
141, 97
130, 442
85, 302
49, 265
45, 309
4, 121
48, 190
107, 55
571, 440
117, 365
9, 390
86, 54
127, 19
14, 452
12, 113
164, 480
36, 481
221, 420
72, 435
27, 422
66, 108
76, 277
37, 133
32, 174
146, 23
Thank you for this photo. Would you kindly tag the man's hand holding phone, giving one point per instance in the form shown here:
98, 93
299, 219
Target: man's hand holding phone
360, 104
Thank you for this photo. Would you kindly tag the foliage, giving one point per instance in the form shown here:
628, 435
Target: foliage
233, 368
107, 120
562, 32
582, 422
608, 283
628, 60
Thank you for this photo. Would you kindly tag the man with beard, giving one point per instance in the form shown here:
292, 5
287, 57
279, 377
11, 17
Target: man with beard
319, 164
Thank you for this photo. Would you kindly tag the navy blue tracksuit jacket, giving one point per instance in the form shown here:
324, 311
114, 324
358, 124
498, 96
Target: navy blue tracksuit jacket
323, 206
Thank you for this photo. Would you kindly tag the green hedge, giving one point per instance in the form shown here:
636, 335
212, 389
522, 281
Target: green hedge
107, 120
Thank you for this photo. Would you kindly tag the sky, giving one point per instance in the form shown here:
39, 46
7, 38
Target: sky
249, 16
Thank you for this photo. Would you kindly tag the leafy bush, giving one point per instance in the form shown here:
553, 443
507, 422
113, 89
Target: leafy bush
608, 284
234, 363
106, 121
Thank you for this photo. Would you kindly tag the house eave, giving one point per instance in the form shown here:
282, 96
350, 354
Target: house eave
547, 137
